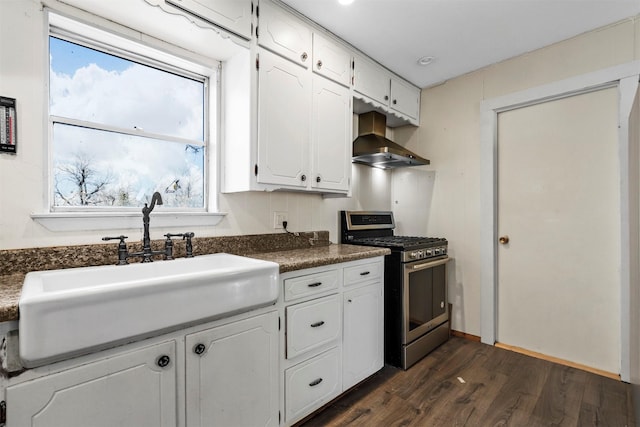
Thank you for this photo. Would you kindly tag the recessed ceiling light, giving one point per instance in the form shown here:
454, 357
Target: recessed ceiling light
426, 60
345, 2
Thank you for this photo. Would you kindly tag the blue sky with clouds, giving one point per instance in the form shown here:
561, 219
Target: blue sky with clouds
95, 87
67, 57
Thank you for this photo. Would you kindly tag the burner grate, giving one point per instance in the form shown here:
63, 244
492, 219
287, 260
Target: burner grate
400, 241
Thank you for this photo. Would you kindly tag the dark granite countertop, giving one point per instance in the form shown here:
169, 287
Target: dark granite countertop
290, 255
10, 288
299, 259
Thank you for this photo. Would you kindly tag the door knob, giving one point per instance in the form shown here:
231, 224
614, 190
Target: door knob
503, 240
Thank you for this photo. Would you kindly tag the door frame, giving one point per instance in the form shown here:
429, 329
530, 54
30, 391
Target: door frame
625, 77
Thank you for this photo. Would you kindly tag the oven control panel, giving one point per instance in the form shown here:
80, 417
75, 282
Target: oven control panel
426, 253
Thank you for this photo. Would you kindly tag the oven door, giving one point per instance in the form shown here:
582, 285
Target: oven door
424, 297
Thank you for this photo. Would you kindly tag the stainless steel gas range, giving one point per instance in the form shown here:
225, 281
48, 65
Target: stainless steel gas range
415, 288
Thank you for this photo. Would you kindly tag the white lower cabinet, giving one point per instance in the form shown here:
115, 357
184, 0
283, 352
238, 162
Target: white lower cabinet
135, 388
312, 383
232, 374
333, 335
224, 373
269, 367
312, 324
363, 341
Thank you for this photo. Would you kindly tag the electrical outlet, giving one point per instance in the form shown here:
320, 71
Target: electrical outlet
279, 218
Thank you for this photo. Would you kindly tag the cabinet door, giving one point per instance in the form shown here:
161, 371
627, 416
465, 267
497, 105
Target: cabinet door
283, 34
371, 80
405, 98
363, 342
331, 135
331, 60
126, 390
233, 15
232, 374
284, 106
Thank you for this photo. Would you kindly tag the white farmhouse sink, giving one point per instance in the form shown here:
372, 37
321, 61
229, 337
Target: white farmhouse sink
65, 313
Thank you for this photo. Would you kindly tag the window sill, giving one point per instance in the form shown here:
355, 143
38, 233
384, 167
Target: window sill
75, 221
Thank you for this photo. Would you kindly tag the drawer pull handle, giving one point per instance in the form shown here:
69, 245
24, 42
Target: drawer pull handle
317, 324
315, 382
364, 273
314, 285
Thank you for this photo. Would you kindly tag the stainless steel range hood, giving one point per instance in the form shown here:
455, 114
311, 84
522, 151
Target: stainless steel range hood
373, 149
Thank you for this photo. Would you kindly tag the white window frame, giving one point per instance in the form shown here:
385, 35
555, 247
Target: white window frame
167, 57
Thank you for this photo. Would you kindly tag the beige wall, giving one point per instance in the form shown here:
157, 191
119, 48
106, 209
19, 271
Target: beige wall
23, 68
449, 135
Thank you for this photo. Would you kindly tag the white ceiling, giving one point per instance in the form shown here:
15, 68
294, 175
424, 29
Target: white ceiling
462, 35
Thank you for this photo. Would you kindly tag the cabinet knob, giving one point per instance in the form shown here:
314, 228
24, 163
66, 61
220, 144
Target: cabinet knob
303, 178
395, 102
319, 64
199, 348
304, 56
318, 179
386, 97
163, 361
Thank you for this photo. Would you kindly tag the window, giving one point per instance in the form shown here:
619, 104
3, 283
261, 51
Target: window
125, 120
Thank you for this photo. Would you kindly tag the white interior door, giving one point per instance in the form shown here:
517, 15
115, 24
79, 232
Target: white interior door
559, 205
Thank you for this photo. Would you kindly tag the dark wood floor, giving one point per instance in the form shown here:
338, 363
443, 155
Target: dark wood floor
501, 388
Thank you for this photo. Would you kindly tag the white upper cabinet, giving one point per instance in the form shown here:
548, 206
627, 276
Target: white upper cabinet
331, 60
386, 92
371, 80
283, 34
233, 15
284, 112
331, 125
404, 98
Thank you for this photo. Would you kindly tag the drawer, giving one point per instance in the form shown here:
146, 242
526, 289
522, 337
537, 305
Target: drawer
313, 324
363, 272
311, 384
304, 286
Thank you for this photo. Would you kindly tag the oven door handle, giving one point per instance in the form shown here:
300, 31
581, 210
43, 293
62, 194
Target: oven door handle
428, 264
